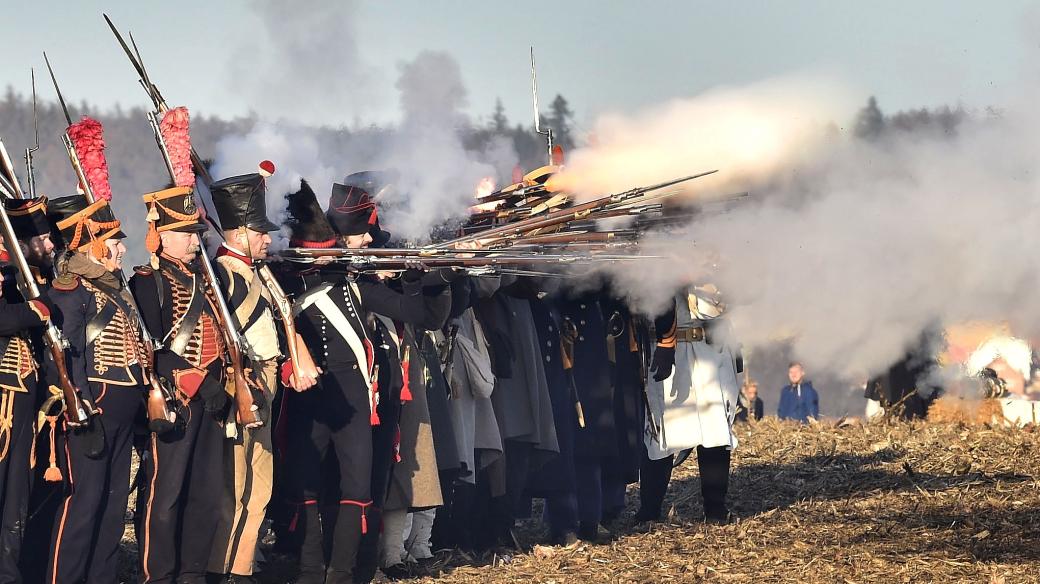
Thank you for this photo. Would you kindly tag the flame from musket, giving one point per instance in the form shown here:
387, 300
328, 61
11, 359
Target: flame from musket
485, 187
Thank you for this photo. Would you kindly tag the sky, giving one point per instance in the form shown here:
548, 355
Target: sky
602, 56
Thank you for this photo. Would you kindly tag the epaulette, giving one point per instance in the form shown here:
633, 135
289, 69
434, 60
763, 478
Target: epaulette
144, 270
66, 282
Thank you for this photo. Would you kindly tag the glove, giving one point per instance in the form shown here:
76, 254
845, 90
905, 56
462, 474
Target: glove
414, 271
214, 398
449, 275
663, 362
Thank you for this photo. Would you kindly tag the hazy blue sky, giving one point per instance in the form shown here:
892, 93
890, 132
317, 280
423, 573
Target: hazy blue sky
600, 55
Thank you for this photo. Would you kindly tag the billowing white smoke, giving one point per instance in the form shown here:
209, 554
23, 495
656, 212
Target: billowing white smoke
850, 248
305, 63
437, 174
311, 72
749, 134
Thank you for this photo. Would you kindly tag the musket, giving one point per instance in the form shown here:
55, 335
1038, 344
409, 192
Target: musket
572, 237
70, 148
536, 228
163, 403
298, 352
9, 176
77, 411
574, 213
153, 93
245, 385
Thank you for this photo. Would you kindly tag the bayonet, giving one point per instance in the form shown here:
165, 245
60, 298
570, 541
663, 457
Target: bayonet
30, 174
548, 133
61, 99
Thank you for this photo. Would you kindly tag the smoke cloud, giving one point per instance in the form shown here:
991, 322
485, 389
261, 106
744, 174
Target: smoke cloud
849, 248
322, 75
437, 174
304, 63
749, 134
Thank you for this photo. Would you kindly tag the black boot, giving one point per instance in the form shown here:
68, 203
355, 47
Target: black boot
312, 554
654, 476
353, 523
714, 469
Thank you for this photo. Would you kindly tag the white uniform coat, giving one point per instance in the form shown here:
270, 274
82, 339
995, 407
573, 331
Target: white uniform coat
696, 404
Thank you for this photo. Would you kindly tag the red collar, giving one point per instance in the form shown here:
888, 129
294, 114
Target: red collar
224, 250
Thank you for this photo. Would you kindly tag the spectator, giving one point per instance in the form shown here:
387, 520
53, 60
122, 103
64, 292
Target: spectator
798, 399
748, 403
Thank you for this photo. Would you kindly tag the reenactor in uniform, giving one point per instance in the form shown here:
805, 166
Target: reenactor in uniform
350, 400
692, 400
242, 209
19, 378
105, 358
183, 467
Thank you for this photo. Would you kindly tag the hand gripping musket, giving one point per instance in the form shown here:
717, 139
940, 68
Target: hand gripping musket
164, 406
78, 411
246, 388
298, 352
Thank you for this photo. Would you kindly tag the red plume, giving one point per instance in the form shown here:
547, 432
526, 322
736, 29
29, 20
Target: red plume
518, 174
88, 139
174, 129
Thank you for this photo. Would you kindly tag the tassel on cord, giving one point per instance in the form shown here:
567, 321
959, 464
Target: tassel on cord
151, 240
98, 249
374, 418
53, 473
364, 512
406, 391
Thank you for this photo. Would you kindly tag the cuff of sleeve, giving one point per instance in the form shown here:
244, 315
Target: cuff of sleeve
286, 372
40, 309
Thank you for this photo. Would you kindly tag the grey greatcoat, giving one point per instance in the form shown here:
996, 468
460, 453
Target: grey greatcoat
521, 399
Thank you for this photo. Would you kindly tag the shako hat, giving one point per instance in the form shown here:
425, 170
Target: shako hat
241, 201
28, 217
84, 226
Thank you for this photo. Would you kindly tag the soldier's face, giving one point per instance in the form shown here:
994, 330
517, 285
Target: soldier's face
357, 241
40, 250
116, 251
258, 243
751, 391
180, 245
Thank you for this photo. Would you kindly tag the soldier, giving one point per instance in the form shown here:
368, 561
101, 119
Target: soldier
183, 467
106, 355
19, 378
692, 400
240, 202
